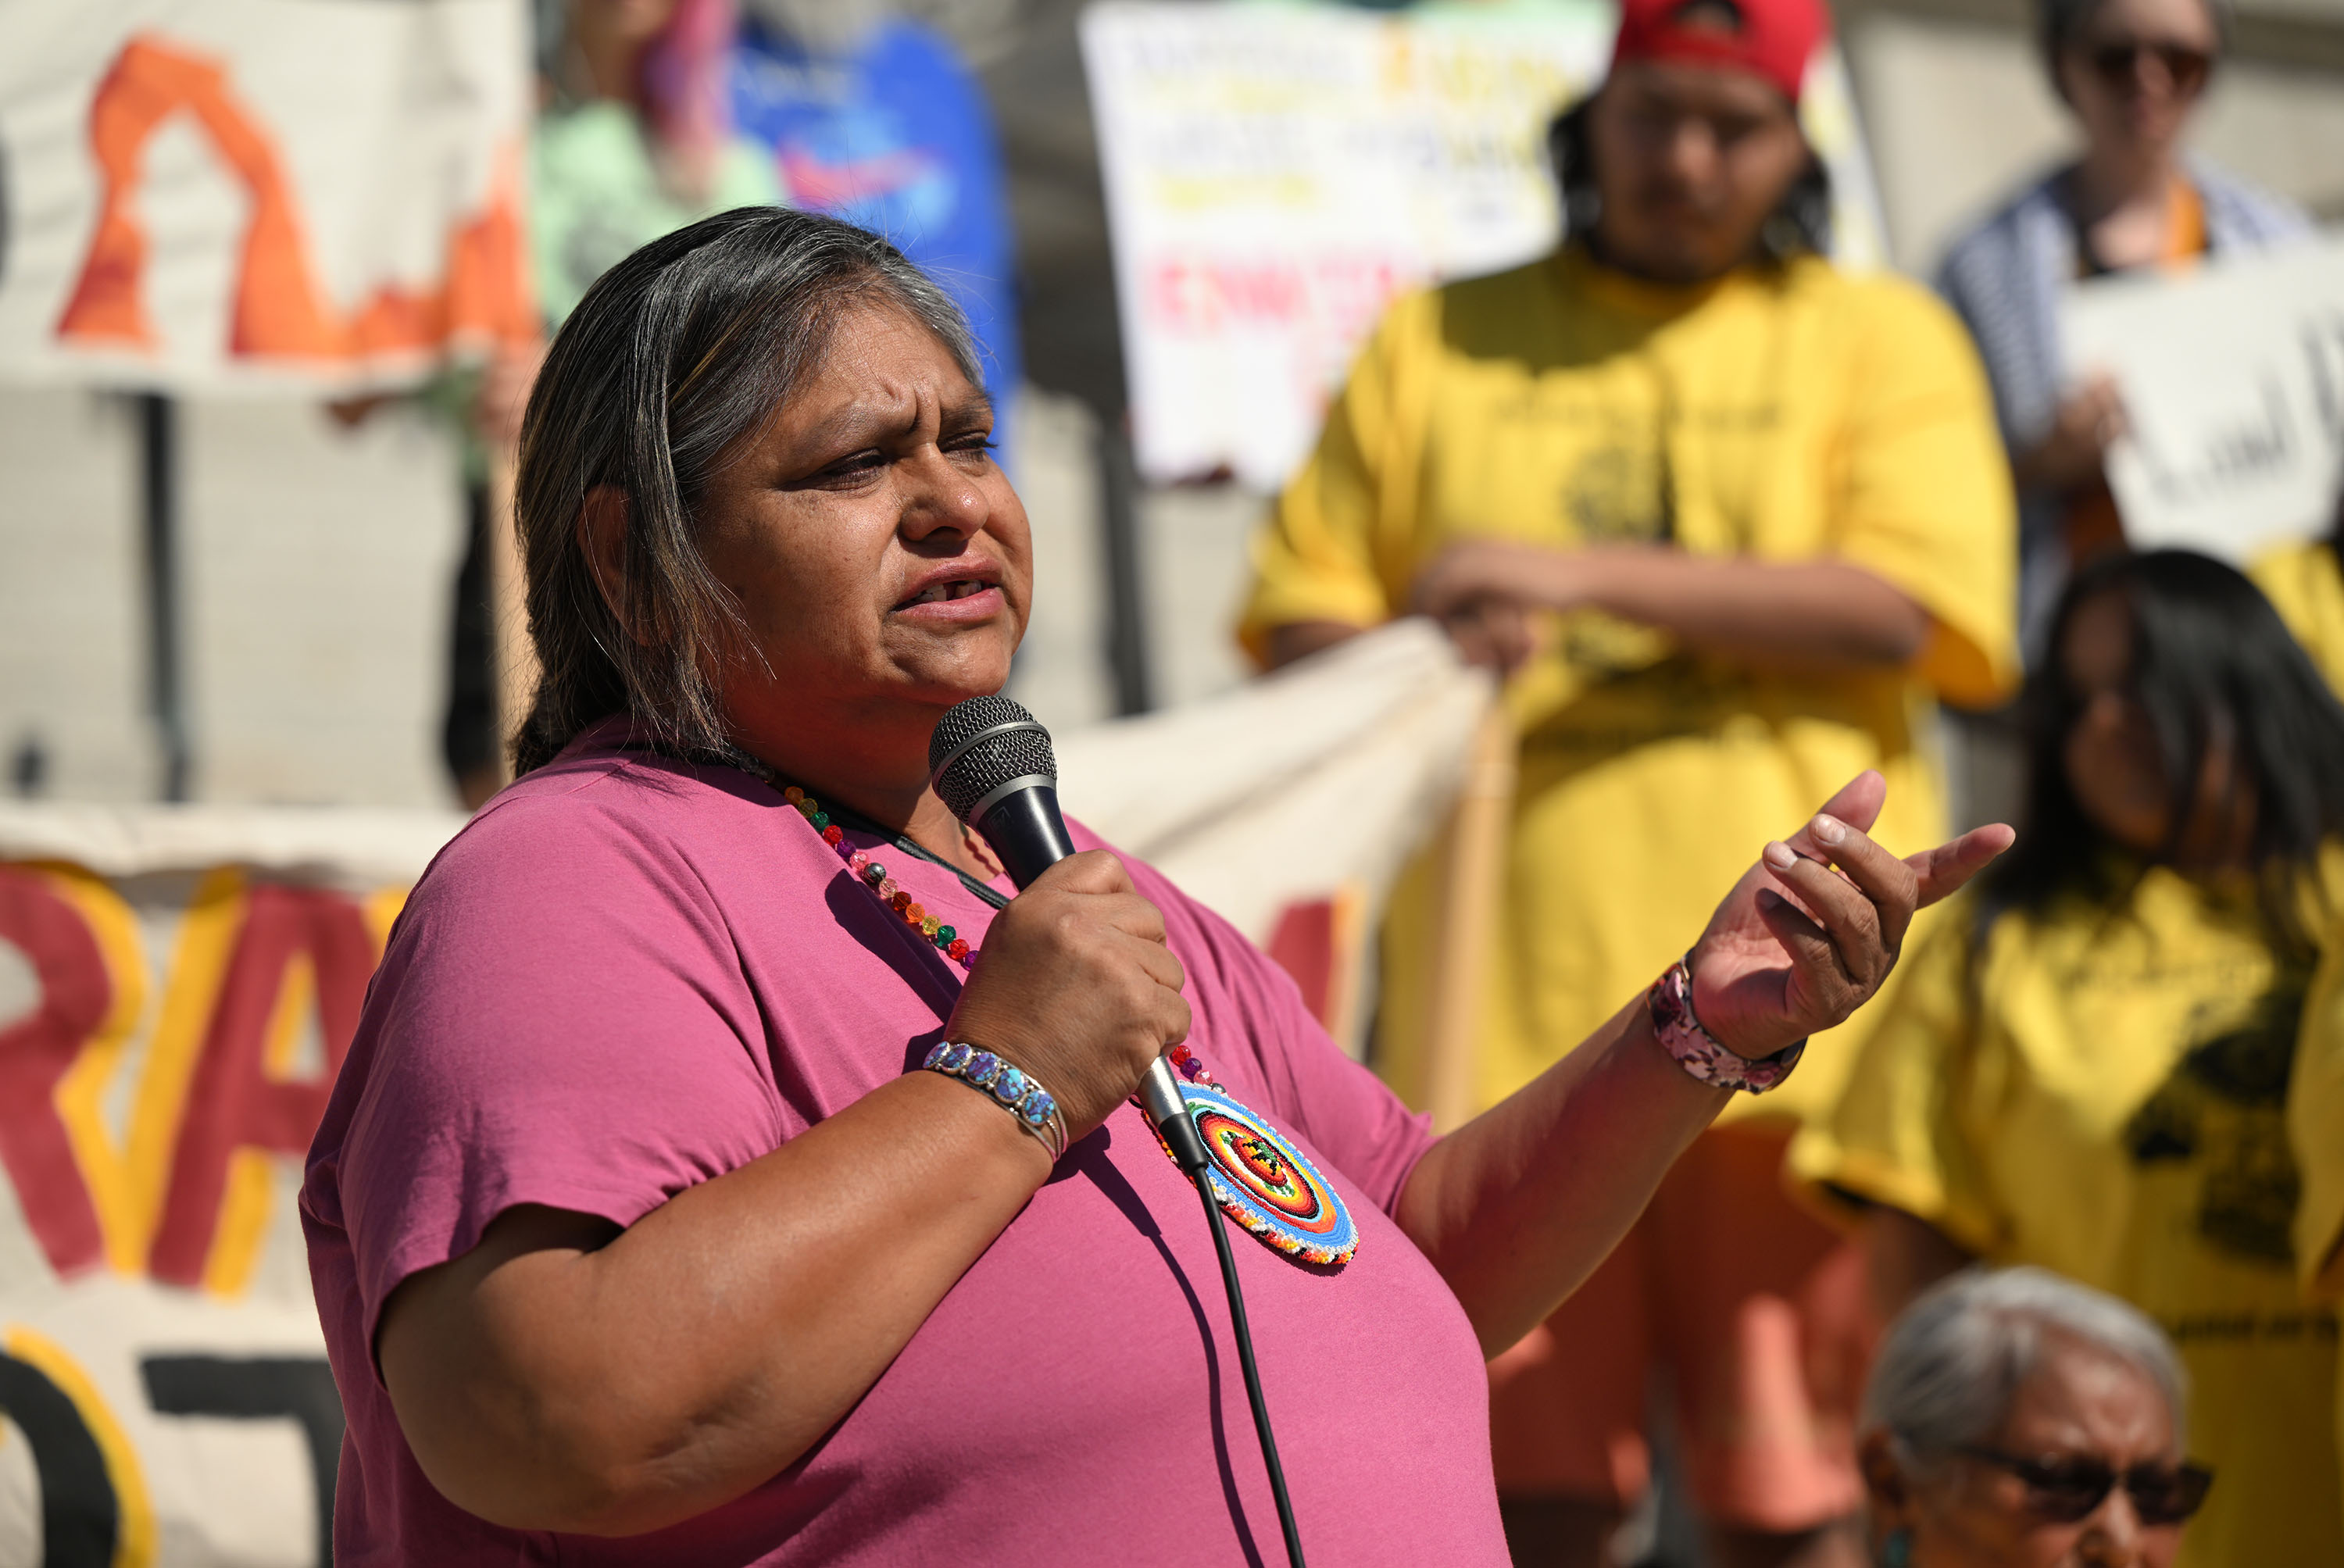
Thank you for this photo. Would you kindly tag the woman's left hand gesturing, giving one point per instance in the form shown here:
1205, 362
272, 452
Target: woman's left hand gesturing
1771, 970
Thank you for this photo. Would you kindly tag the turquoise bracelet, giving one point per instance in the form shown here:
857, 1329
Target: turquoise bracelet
1011, 1088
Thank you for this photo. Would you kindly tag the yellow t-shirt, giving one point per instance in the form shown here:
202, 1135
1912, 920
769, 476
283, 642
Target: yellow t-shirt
2305, 586
1781, 413
2143, 1100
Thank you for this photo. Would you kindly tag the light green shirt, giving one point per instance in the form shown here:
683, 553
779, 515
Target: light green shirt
596, 196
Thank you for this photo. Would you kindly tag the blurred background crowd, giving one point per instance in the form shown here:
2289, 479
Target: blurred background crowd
1775, 470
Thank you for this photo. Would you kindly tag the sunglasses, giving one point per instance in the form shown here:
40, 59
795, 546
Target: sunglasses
2067, 1490
2118, 64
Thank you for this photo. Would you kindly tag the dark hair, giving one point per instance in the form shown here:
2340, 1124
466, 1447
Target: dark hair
2058, 22
1801, 221
673, 357
2212, 663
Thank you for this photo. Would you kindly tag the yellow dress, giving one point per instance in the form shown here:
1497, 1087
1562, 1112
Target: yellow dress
2151, 1101
1781, 413
2305, 587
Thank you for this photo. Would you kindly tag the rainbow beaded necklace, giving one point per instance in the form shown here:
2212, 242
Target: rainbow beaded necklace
873, 876
1257, 1177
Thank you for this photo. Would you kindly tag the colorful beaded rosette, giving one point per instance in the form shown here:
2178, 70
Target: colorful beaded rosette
1261, 1181
873, 876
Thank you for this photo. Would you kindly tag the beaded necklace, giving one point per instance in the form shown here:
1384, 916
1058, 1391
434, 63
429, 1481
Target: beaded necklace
1259, 1178
873, 876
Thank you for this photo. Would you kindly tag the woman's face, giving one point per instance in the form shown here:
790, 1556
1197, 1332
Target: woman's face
2135, 71
2079, 1404
879, 556
2115, 769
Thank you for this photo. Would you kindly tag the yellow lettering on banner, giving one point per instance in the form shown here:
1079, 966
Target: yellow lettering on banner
381, 909
208, 933
134, 1541
243, 1222
79, 1096
251, 1172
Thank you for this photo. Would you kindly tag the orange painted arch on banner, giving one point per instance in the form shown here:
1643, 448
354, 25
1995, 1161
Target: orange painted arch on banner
279, 311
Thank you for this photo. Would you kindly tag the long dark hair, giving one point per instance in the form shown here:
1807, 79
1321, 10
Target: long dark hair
1801, 221
2213, 666
674, 356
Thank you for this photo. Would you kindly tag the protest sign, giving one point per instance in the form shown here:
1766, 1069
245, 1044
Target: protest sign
2232, 376
222, 194
179, 985
1276, 174
894, 134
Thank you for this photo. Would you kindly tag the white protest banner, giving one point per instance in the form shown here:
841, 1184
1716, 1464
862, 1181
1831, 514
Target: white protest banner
179, 985
221, 194
1277, 174
177, 990
2232, 376
1291, 804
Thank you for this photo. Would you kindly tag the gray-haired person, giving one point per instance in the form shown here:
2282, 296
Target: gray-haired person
2015, 1418
2132, 72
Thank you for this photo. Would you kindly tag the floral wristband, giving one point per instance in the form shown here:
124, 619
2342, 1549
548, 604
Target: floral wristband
1701, 1053
1013, 1088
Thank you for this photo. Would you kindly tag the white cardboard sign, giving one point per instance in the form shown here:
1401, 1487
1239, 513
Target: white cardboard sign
2233, 382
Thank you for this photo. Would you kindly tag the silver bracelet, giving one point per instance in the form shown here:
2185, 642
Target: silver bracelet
1010, 1086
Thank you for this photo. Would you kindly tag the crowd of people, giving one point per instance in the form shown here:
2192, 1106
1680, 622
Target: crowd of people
1733, 521
2034, 1258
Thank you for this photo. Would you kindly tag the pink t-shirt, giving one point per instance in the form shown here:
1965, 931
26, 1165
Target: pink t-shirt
626, 976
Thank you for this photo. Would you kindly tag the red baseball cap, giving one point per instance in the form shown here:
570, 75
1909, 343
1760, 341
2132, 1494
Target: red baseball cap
1770, 38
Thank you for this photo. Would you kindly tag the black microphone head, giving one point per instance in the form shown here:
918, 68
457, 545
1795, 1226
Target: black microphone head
981, 747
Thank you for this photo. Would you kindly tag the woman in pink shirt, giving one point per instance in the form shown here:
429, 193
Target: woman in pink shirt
638, 1230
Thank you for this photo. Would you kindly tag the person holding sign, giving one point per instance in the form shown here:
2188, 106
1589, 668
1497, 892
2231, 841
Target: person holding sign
2132, 72
1732, 518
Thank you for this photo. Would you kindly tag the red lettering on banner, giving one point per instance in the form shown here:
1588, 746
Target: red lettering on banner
74, 995
1304, 946
233, 1101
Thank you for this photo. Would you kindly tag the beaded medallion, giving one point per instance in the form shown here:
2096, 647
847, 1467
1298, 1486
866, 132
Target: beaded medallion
1261, 1181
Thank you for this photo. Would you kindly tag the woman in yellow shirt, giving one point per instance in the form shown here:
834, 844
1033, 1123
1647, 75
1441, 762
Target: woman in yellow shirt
2305, 585
2124, 1060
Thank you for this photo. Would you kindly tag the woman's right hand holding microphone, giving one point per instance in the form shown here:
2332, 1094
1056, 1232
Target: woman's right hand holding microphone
1077, 988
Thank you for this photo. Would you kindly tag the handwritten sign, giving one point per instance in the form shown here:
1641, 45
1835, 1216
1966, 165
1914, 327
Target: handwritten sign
2233, 382
1276, 174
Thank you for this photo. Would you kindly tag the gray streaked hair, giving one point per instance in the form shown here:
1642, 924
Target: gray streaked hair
675, 355
1954, 1360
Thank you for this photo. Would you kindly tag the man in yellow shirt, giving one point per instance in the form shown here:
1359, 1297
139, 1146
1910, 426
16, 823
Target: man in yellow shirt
1731, 517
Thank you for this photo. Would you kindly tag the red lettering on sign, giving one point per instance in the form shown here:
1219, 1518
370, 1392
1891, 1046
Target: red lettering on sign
35, 1051
233, 1101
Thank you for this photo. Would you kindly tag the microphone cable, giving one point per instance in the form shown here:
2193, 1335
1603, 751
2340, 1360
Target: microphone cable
1043, 835
1187, 1147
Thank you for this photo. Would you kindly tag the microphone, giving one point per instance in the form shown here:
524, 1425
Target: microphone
990, 762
